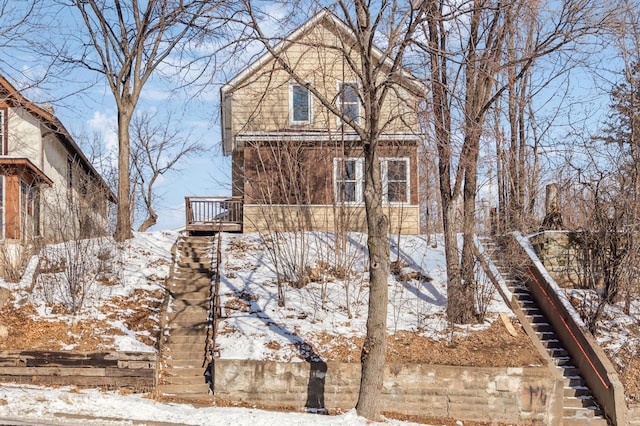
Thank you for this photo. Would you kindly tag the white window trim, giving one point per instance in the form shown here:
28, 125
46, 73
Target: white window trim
309, 119
339, 99
359, 180
385, 180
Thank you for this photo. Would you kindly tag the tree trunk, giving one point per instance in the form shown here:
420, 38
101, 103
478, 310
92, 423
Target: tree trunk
151, 220
374, 349
123, 219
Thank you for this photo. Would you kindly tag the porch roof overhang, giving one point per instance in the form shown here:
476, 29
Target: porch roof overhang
19, 163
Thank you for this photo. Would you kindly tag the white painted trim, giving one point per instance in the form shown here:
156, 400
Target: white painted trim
320, 136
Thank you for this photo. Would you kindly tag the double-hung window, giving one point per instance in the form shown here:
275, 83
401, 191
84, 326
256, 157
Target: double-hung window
300, 104
349, 180
395, 179
349, 101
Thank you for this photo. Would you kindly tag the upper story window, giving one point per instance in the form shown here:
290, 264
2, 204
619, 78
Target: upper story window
300, 105
349, 100
395, 179
348, 180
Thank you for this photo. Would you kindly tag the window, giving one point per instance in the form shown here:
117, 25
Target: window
349, 101
348, 180
300, 104
395, 179
29, 210
3, 130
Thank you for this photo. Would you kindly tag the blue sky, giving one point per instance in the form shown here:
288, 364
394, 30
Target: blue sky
195, 109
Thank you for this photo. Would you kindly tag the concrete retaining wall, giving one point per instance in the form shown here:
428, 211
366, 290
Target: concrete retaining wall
483, 394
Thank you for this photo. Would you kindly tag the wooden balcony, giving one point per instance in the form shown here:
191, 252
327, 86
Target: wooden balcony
208, 215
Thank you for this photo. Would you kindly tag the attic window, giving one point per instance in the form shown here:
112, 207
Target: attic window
299, 104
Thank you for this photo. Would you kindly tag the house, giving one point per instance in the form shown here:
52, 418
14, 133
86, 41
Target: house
49, 188
295, 164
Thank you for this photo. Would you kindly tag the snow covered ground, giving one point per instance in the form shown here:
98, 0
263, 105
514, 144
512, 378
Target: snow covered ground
324, 294
67, 406
332, 302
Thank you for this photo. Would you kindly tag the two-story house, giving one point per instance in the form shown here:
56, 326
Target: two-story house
295, 164
48, 187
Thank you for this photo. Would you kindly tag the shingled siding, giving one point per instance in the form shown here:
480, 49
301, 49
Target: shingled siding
111, 370
510, 395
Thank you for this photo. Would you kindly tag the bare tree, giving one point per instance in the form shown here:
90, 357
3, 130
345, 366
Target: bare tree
157, 149
465, 45
126, 41
377, 76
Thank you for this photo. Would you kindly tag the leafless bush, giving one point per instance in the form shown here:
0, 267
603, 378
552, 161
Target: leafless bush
483, 292
13, 260
70, 268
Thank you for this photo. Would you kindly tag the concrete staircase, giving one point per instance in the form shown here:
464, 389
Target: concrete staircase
185, 334
579, 405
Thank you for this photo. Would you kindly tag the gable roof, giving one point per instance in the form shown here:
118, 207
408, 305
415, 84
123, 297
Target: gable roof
50, 121
337, 23
325, 15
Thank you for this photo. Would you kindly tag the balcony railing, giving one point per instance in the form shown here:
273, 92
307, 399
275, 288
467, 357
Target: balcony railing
211, 214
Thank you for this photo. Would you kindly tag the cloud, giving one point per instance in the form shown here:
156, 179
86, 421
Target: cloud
105, 126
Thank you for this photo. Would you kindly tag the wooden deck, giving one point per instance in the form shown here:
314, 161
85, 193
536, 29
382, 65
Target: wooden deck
208, 215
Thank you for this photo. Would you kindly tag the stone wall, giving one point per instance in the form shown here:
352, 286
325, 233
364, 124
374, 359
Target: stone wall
509, 395
562, 256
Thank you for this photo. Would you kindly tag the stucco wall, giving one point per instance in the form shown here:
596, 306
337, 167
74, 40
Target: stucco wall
24, 136
509, 395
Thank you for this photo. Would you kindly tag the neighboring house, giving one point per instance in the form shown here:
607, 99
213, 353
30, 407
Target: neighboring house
294, 164
48, 187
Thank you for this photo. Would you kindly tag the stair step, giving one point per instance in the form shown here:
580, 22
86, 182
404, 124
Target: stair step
193, 364
188, 380
552, 343
541, 326
188, 276
184, 310
176, 339
576, 391
583, 401
557, 352
569, 370
546, 335
190, 350
573, 381
186, 391
580, 412
562, 360
596, 421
